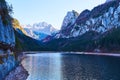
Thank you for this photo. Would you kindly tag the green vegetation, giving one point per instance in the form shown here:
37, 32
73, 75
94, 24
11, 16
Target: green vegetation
16, 26
5, 11
1, 58
1, 61
111, 40
25, 43
15, 23
81, 43
108, 42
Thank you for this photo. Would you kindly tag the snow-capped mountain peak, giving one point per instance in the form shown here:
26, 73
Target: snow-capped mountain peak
100, 19
68, 21
69, 18
39, 30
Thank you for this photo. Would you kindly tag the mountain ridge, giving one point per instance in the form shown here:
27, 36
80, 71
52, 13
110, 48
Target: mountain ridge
39, 30
101, 19
92, 31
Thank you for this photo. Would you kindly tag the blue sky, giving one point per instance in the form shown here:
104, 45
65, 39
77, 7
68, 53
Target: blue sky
50, 11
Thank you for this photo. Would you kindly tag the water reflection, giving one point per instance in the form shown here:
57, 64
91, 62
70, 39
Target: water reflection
43, 66
71, 67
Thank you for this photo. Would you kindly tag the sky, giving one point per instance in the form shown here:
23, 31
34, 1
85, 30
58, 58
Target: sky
50, 11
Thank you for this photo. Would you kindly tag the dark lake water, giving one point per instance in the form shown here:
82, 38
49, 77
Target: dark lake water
63, 66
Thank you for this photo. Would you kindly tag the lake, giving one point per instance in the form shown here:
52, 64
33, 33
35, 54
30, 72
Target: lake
71, 66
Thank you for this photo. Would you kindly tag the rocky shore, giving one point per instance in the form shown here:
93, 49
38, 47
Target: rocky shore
19, 73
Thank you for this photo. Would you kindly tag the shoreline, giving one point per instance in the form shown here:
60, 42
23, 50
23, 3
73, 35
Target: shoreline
19, 73
87, 53
100, 54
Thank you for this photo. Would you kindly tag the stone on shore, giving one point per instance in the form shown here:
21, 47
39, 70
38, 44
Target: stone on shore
18, 74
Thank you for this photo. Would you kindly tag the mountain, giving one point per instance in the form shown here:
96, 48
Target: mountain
96, 30
40, 30
17, 27
100, 19
26, 43
68, 21
89, 42
93, 31
23, 41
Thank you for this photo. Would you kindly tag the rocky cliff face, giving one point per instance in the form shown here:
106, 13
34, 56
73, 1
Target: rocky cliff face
68, 21
7, 40
100, 19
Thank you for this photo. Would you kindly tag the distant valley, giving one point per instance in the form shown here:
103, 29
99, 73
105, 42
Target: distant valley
94, 30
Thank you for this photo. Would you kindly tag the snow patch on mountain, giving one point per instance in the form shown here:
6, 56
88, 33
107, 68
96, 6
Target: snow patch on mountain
39, 30
69, 19
100, 19
100, 24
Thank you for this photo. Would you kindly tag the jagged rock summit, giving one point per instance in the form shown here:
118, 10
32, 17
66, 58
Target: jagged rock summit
69, 20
